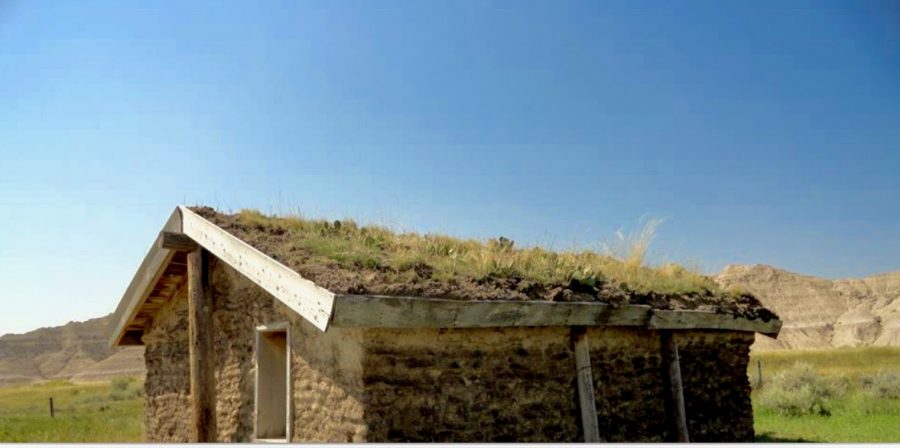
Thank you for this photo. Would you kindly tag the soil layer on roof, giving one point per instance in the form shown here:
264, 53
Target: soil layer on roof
349, 259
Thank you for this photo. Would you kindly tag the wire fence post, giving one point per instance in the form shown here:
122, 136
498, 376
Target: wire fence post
758, 373
52, 413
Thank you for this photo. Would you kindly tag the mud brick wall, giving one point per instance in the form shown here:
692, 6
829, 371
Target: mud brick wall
167, 386
325, 368
626, 366
716, 386
461, 385
518, 384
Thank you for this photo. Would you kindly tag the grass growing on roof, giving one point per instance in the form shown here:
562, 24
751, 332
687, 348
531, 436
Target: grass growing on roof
351, 245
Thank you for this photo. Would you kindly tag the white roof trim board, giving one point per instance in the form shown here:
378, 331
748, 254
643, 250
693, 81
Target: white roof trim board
310, 301
318, 305
299, 294
143, 281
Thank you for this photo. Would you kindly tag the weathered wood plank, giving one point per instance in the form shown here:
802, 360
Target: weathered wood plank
586, 404
176, 241
690, 319
416, 312
202, 362
310, 301
141, 285
413, 312
675, 412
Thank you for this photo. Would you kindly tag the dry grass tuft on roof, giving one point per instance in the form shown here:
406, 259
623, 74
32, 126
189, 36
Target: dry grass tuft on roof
347, 258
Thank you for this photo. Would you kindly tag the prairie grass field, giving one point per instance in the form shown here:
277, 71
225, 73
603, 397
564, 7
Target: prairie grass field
858, 400
846, 361
86, 412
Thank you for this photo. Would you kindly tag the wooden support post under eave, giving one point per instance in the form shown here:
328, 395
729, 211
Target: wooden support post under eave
675, 411
203, 378
585, 385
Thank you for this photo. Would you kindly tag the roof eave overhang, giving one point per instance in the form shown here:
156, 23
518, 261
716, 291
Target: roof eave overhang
136, 293
369, 311
304, 297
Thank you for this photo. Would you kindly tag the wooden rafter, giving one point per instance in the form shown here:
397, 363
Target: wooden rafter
307, 299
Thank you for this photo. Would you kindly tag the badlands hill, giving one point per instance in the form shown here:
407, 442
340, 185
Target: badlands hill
821, 313
76, 351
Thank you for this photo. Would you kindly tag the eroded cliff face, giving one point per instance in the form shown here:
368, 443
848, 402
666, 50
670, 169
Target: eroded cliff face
78, 351
821, 313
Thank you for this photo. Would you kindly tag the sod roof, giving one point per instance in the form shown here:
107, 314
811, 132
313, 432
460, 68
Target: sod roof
347, 258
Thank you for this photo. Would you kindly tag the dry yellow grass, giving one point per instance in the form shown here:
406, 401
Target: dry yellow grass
350, 244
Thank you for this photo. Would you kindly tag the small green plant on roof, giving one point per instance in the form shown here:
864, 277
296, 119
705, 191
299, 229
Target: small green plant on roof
799, 391
446, 258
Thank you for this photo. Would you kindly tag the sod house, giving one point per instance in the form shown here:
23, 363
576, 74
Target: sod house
261, 328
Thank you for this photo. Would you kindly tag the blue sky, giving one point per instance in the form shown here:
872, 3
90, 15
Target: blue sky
765, 132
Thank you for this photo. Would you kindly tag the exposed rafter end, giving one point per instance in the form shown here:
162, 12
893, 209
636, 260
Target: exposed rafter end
132, 337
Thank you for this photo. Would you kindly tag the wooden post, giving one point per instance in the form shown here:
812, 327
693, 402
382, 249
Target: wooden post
758, 374
675, 412
52, 412
585, 385
203, 386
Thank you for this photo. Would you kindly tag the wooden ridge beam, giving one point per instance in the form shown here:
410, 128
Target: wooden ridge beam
178, 242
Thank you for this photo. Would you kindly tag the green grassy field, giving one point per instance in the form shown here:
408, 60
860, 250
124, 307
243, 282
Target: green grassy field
856, 417
88, 412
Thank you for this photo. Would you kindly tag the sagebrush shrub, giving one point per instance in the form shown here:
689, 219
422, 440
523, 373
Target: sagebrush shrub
838, 384
124, 388
800, 391
121, 382
882, 385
